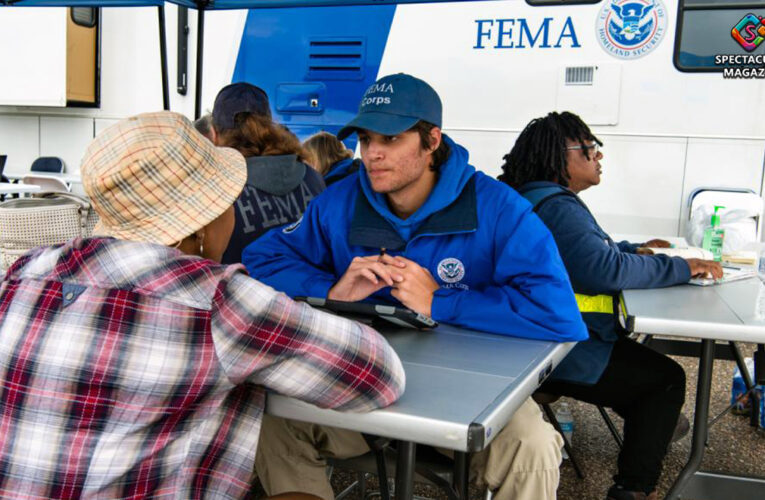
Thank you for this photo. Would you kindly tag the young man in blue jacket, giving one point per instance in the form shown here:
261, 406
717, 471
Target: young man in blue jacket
554, 159
420, 226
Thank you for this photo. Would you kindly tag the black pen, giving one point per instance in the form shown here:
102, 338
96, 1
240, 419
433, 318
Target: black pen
382, 254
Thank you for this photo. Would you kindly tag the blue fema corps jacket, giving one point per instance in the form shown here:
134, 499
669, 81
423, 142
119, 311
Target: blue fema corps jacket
597, 266
497, 264
341, 169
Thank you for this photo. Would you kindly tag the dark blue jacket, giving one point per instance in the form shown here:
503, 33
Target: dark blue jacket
497, 265
597, 265
341, 169
276, 193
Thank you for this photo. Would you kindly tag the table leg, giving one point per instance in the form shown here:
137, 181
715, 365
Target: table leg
405, 470
461, 474
700, 427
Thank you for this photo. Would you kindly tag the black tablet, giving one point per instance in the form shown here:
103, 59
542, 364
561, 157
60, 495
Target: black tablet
400, 316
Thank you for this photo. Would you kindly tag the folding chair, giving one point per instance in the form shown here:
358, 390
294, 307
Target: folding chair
47, 184
431, 467
741, 199
545, 400
750, 203
3, 178
49, 164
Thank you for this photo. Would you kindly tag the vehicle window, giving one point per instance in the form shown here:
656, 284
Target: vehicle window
705, 34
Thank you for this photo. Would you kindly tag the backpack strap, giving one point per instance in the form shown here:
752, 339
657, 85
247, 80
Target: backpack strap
538, 196
599, 304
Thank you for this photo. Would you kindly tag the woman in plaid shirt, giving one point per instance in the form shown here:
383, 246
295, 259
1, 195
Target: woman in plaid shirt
134, 365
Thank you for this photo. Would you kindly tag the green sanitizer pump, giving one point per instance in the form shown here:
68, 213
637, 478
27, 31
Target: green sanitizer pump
714, 236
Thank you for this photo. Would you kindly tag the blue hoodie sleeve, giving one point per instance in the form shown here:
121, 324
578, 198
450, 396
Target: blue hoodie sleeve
594, 266
295, 259
530, 295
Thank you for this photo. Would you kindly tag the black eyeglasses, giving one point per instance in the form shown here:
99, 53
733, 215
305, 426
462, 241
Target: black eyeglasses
595, 148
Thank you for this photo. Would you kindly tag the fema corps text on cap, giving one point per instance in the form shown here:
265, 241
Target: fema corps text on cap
394, 104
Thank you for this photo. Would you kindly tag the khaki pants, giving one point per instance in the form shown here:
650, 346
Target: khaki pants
521, 463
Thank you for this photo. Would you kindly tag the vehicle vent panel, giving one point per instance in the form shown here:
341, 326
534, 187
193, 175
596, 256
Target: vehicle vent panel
336, 58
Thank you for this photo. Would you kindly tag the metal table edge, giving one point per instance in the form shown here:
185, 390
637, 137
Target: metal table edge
486, 425
380, 422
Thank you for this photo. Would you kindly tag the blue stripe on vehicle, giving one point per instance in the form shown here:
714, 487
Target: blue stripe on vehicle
274, 52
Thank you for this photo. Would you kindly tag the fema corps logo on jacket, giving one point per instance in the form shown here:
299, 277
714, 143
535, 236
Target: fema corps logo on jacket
293, 226
629, 29
451, 271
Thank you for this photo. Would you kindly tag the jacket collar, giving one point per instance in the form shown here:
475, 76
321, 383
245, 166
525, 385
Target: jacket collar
529, 186
369, 228
342, 168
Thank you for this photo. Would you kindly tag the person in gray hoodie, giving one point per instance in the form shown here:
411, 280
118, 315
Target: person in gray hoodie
279, 182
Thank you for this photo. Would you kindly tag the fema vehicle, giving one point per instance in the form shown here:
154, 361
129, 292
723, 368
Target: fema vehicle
675, 90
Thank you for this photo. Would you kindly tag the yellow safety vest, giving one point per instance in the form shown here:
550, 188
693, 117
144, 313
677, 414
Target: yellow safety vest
595, 303
599, 304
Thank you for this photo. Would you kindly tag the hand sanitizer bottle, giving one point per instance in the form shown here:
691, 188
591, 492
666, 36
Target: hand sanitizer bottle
714, 236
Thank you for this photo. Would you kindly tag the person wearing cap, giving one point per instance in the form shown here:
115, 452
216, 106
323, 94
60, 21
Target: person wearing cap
133, 365
419, 226
279, 182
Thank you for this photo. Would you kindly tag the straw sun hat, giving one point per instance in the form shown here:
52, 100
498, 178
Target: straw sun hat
154, 178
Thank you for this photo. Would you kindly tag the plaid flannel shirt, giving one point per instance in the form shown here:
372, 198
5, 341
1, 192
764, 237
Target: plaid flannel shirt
130, 370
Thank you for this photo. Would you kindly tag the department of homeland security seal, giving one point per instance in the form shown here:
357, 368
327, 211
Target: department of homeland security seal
629, 29
451, 270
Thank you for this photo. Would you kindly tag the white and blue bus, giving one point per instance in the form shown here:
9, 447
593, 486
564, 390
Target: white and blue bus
675, 89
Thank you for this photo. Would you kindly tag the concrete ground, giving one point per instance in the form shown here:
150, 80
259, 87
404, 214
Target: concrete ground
734, 447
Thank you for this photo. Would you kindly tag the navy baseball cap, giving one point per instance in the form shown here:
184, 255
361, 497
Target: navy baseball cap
394, 104
240, 97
